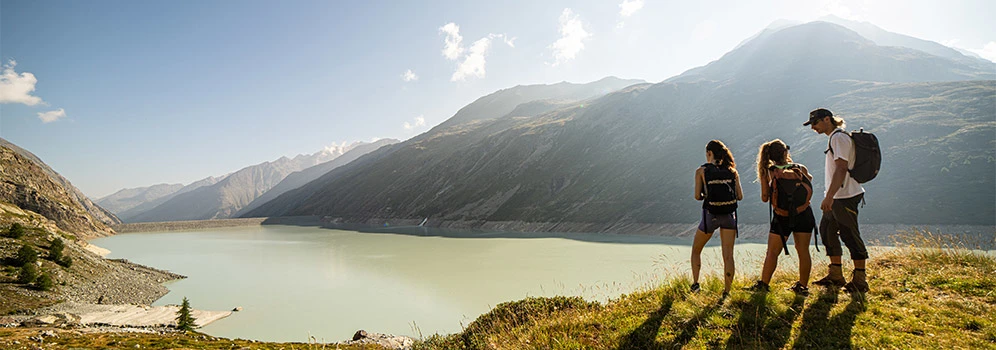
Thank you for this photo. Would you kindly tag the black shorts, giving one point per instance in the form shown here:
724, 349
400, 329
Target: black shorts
802, 222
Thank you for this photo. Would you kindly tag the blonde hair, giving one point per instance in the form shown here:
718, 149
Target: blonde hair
839, 122
774, 152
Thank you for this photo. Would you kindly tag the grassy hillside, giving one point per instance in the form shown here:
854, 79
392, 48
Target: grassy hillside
922, 297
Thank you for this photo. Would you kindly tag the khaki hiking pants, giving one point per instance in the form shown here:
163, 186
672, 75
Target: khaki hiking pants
842, 221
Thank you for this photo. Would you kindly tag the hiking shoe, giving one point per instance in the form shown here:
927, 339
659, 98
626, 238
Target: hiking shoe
695, 288
857, 283
799, 289
835, 278
759, 287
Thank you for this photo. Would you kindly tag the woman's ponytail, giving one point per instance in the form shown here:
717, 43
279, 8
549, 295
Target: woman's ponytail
721, 154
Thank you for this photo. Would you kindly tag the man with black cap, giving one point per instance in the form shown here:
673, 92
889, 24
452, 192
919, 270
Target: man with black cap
840, 203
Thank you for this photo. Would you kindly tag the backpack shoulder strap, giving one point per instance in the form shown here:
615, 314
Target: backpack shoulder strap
835, 132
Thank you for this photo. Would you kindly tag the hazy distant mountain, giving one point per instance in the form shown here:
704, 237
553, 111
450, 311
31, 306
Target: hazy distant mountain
503, 101
230, 194
886, 38
94, 210
138, 209
824, 52
300, 178
128, 198
628, 157
30, 184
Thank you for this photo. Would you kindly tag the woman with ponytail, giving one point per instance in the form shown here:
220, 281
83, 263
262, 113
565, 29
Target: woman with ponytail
717, 185
787, 187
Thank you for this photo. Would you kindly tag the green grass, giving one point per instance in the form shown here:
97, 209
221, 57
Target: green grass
923, 295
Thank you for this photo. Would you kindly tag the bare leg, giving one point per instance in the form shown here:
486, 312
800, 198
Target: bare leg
805, 260
728, 238
771, 257
697, 244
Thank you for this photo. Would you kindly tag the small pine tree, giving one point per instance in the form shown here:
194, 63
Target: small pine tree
184, 321
28, 274
15, 231
26, 255
45, 282
55, 251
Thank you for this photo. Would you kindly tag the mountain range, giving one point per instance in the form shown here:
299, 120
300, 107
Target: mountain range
627, 157
223, 196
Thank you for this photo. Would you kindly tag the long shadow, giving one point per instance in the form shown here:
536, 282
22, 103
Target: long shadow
643, 337
691, 327
818, 329
760, 327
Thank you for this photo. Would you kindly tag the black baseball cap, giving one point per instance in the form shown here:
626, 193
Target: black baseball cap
817, 114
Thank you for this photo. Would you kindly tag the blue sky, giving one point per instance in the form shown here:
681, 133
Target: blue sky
116, 94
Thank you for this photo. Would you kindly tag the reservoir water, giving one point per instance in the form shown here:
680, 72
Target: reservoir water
293, 282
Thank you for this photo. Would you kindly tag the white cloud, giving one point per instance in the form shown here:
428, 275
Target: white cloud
628, 8
572, 36
504, 38
409, 76
704, 30
452, 50
474, 61
17, 88
48, 117
473, 64
419, 122
988, 52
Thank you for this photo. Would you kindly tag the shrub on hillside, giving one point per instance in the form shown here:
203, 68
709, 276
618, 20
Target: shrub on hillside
55, 251
66, 262
15, 231
44, 282
26, 255
28, 273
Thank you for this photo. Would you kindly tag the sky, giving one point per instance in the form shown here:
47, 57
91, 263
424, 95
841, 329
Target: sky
124, 94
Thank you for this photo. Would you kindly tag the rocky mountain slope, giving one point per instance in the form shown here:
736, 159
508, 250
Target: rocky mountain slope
98, 213
628, 157
27, 184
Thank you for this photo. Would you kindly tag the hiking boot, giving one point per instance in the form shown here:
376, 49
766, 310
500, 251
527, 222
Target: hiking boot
760, 286
799, 289
835, 278
857, 283
695, 287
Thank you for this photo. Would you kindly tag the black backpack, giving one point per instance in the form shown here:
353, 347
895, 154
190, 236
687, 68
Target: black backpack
867, 155
791, 192
720, 190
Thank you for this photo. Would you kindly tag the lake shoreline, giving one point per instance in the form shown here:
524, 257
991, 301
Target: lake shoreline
878, 234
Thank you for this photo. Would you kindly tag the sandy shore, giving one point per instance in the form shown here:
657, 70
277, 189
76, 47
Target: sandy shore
120, 315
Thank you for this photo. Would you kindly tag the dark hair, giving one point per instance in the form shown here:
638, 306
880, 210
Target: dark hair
721, 153
774, 152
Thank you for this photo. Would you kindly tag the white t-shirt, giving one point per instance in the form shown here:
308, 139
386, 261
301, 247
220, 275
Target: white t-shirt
843, 148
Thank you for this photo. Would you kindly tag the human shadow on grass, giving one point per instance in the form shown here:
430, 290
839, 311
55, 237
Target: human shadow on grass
761, 327
820, 330
688, 329
644, 336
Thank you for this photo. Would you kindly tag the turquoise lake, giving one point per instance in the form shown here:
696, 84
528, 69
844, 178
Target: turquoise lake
295, 282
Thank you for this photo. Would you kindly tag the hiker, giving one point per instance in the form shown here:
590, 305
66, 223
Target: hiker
717, 185
787, 187
840, 203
